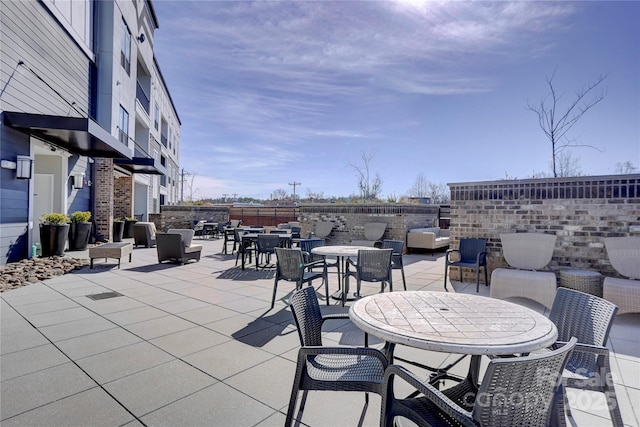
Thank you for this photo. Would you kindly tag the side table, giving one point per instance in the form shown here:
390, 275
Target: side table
586, 281
111, 250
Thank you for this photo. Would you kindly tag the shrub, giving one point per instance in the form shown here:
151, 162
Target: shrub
54, 218
80, 216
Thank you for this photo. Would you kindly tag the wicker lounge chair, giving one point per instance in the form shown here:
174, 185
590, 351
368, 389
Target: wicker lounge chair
323, 229
290, 266
144, 234
396, 258
624, 254
517, 391
472, 253
373, 265
526, 253
589, 319
176, 246
266, 245
329, 368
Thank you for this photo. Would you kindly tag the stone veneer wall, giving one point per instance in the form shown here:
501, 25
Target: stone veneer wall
349, 219
179, 216
580, 211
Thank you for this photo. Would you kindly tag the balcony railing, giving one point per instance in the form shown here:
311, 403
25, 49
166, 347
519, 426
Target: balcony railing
142, 97
123, 137
163, 138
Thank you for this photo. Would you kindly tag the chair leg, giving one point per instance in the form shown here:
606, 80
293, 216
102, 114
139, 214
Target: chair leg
325, 279
275, 287
292, 405
486, 279
478, 279
404, 281
446, 270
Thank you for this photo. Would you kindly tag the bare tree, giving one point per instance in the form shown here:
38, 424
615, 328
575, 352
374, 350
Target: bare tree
555, 123
625, 168
187, 185
420, 187
279, 194
567, 165
369, 185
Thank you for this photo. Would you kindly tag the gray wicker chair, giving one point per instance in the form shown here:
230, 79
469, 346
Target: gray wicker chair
373, 232
171, 247
290, 266
144, 234
373, 265
329, 368
323, 229
396, 258
517, 391
472, 253
265, 246
589, 319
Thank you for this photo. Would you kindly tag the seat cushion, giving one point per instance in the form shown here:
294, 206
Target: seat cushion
192, 249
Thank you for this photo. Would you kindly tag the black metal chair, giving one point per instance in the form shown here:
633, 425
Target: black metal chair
472, 253
515, 391
396, 258
329, 368
265, 246
290, 266
229, 239
589, 319
373, 265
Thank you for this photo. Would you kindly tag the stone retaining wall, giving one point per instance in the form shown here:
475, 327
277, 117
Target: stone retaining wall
581, 211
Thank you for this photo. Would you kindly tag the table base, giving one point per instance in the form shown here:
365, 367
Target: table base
338, 296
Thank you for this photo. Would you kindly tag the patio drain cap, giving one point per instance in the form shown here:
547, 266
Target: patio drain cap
104, 295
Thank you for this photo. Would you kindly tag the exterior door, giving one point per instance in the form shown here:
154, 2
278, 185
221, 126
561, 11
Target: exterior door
42, 200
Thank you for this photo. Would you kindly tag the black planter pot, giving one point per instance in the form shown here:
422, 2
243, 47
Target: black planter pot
53, 238
118, 231
128, 228
79, 234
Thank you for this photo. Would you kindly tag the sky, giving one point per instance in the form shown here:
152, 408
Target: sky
275, 93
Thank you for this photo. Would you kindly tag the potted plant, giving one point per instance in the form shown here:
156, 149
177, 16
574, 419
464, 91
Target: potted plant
54, 231
118, 229
128, 227
80, 230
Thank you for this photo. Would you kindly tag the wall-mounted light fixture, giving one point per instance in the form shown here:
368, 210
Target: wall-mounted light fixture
22, 166
141, 38
78, 181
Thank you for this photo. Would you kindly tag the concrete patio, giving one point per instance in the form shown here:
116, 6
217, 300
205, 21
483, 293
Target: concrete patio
197, 345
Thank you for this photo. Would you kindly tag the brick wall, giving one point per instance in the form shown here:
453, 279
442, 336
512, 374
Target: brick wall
123, 197
178, 216
580, 211
103, 187
349, 219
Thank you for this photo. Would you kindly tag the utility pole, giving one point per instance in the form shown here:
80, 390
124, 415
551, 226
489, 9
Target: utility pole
225, 195
294, 184
182, 187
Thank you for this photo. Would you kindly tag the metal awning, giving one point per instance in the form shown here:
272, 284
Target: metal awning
77, 135
140, 165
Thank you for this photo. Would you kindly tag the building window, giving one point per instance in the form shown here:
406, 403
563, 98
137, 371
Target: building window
123, 126
125, 48
157, 116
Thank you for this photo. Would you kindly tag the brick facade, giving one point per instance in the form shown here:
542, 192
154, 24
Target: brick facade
103, 187
123, 197
580, 211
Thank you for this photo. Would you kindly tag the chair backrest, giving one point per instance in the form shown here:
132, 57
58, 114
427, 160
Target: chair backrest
199, 226
307, 315
470, 248
374, 230
290, 264
624, 255
584, 316
323, 229
187, 235
306, 245
234, 223
396, 245
528, 251
374, 265
267, 242
279, 231
519, 391
237, 232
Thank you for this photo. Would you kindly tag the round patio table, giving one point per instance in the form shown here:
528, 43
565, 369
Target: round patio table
453, 323
341, 252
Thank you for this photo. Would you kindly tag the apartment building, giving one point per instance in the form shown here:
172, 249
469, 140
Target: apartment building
80, 93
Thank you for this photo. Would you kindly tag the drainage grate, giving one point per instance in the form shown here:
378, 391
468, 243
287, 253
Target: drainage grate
104, 295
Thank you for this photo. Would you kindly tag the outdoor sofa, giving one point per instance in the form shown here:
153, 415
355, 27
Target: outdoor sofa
427, 238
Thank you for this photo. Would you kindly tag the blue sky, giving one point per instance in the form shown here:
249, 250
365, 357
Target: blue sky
271, 93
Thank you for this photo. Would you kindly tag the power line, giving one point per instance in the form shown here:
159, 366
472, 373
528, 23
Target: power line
294, 184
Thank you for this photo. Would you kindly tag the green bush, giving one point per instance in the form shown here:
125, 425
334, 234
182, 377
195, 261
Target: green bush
80, 216
54, 218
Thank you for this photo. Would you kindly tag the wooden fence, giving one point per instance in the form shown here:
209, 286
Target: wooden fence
263, 215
